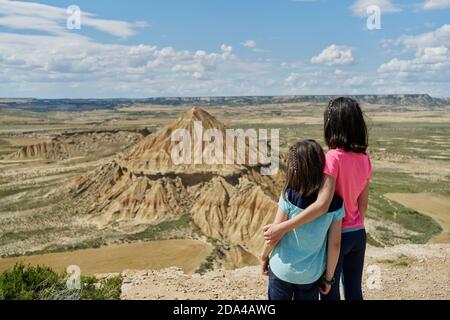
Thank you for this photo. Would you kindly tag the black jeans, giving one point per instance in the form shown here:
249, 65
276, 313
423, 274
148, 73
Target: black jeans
282, 290
350, 266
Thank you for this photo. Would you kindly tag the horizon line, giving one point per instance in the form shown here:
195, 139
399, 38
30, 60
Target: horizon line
234, 96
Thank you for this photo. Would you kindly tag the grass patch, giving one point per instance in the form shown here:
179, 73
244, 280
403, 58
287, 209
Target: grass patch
156, 232
35, 202
401, 261
10, 192
373, 242
87, 244
411, 139
42, 283
9, 237
216, 254
383, 209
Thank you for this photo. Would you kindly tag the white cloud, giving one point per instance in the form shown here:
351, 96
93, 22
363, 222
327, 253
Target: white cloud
34, 16
428, 60
52, 61
438, 37
249, 44
56, 61
359, 7
436, 4
334, 55
427, 71
226, 49
428, 68
355, 81
290, 65
292, 77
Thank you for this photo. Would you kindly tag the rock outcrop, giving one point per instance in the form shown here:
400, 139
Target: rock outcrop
78, 144
229, 202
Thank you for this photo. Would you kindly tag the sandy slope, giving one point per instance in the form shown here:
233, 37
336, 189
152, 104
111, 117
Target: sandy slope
407, 272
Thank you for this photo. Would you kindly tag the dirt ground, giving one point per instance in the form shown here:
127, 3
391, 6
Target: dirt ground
116, 258
406, 272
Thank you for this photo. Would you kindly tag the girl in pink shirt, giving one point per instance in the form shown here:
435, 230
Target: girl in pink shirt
348, 172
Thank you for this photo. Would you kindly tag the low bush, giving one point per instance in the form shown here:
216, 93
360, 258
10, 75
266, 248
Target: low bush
42, 283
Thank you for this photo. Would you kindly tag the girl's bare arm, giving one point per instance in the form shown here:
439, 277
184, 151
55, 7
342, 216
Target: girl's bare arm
273, 233
334, 247
318, 208
280, 217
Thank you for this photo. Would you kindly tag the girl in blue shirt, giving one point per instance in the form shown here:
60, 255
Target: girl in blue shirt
304, 261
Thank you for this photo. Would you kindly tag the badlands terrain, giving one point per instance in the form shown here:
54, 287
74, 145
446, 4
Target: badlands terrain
91, 183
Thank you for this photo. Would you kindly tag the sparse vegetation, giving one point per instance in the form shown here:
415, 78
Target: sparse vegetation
399, 261
87, 244
423, 227
13, 191
216, 254
159, 231
42, 283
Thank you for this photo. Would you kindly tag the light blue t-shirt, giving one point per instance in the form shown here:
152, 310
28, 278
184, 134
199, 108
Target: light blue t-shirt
301, 255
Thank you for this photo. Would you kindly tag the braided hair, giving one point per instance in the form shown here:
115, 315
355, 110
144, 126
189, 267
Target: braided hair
293, 159
305, 164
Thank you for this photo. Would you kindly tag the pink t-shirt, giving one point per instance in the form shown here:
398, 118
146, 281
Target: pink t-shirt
352, 172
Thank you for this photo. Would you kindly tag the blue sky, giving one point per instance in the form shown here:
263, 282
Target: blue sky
142, 48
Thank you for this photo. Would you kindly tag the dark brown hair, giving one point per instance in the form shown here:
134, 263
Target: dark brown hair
305, 164
344, 126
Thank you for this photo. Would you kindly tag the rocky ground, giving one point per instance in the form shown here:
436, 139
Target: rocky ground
405, 272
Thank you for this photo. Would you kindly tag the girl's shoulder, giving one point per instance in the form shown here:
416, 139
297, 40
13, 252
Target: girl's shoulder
339, 159
341, 153
334, 152
293, 198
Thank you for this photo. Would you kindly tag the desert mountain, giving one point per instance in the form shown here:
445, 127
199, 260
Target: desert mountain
78, 144
230, 202
153, 156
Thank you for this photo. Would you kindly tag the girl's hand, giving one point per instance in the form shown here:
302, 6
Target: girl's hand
325, 289
264, 266
273, 234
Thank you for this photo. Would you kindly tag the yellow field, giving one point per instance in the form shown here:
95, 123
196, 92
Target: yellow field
152, 255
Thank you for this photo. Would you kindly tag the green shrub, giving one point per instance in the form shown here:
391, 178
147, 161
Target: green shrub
27, 283
43, 283
106, 289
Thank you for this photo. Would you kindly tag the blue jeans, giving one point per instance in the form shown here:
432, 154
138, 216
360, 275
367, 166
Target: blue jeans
350, 266
282, 290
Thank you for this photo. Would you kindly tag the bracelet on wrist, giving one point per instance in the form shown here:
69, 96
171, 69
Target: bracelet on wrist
327, 281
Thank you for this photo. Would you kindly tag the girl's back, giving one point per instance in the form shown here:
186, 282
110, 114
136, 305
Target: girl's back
300, 256
352, 172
